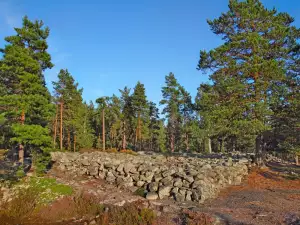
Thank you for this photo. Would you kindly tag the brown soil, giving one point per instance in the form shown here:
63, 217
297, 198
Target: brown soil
264, 198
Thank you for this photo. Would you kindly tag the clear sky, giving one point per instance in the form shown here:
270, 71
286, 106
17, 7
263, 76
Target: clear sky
107, 44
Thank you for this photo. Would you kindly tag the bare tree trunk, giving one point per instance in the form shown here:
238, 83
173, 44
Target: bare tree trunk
172, 142
222, 145
103, 129
74, 143
187, 142
124, 137
55, 127
21, 147
259, 151
69, 141
297, 159
209, 146
61, 126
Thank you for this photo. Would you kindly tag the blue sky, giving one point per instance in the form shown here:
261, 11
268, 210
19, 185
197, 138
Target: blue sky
107, 44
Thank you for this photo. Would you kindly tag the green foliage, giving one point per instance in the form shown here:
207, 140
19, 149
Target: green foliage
247, 70
20, 172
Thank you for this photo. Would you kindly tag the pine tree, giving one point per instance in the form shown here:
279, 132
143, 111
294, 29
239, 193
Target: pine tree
75, 124
26, 101
249, 63
172, 99
140, 107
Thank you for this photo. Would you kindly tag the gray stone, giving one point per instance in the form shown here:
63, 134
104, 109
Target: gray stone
177, 182
195, 196
120, 168
152, 187
182, 191
85, 162
175, 190
179, 197
140, 183
189, 179
168, 173
152, 196
164, 191
128, 167
188, 196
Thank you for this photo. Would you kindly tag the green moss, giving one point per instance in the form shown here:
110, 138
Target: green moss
48, 188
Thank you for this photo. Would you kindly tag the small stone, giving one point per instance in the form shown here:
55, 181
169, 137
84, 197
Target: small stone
120, 168
182, 191
140, 183
85, 162
92, 222
189, 179
128, 167
164, 191
188, 196
179, 197
152, 187
152, 196
177, 182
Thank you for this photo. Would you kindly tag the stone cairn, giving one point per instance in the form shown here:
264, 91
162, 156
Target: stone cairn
180, 178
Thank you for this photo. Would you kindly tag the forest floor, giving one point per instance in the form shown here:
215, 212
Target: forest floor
268, 196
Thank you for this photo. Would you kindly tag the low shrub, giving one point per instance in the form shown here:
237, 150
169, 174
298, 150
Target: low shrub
20, 207
129, 214
128, 151
86, 205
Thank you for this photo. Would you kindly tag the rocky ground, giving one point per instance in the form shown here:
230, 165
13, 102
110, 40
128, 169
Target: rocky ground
265, 196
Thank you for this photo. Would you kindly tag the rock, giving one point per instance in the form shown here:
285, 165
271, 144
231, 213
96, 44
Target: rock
175, 190
206, 167
195, 196
189, 179
92, 222
168, 173
120, 168
188, 196
179, 197
164, 191
85, 162
152, 187
128, 167
182, 191
140, 183
152, 196
93, 170
166, 180
108, 165
177, 182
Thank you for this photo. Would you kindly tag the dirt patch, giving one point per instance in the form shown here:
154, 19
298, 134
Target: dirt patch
265, 198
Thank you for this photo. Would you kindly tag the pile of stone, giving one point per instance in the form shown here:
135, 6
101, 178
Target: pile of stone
180, 178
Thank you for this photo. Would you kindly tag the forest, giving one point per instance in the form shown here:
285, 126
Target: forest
250, 104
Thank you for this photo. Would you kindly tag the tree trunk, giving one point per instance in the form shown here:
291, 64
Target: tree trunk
103, 129
172, 142
187, 142
259, 151
61, 126
21, 147
69, 141
297, 159
55, 127
124, 137
209, 145
222, 145
74, 142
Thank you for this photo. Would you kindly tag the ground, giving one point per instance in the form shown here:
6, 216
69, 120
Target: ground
268, 196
